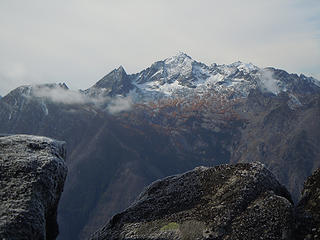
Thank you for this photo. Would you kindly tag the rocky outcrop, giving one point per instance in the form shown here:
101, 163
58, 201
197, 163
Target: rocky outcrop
32, 176
308, 209
242, 201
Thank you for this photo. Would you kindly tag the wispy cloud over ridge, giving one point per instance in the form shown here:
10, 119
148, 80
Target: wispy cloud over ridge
58, 93
120, 104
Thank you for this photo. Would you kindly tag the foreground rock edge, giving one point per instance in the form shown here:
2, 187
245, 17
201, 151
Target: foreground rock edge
242, 201
33, 173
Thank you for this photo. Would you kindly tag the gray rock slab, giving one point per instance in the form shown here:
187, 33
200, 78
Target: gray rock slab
32, 175
242, 201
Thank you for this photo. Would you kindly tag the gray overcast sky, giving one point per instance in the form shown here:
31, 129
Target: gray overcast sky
79, 41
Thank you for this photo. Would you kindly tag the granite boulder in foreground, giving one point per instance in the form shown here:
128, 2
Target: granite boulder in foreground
242, 201
32, 177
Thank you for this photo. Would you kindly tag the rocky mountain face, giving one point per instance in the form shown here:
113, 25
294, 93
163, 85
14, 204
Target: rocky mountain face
32, 176
168, 119
282, 135
115, 83
242, 201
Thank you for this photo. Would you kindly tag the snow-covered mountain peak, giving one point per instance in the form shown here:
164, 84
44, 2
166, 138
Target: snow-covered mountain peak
180, 75
179, 69
245, 67
178, 58
233, 68
180, 64
120, 69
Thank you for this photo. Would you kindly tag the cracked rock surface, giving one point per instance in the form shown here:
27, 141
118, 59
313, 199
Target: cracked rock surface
32, 175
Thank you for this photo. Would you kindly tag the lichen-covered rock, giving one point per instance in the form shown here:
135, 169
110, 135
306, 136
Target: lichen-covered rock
32, 175
242, 201
308, 209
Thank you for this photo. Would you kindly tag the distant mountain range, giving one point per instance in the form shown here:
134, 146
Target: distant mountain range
131, 129
181, 75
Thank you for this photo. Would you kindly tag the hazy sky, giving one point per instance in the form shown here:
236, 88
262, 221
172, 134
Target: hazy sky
79, 41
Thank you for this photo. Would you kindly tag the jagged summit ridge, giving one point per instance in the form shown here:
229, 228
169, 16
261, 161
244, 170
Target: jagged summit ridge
180, 75
115, 83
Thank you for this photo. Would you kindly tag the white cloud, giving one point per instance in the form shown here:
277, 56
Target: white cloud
267, 82
120, 104
61, 95
58, 94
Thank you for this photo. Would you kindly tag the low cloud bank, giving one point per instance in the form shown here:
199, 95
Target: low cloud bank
61, 94
120, 104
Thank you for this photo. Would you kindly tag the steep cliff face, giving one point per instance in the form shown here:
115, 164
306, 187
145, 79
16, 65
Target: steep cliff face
242, 201
32, 176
